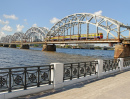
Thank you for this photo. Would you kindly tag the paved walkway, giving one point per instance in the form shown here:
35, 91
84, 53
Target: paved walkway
113, 87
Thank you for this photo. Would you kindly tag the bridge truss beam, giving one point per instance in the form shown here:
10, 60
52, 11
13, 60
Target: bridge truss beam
105, 23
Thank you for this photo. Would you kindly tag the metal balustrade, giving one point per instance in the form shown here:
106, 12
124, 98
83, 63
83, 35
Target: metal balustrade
110, 64
126, 62
24, 77
16, 78
77, 70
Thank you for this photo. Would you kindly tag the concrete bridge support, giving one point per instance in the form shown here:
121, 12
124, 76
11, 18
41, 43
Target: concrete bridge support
122, 51
49, 47
5, 45
24, 46
12, 46
1, 45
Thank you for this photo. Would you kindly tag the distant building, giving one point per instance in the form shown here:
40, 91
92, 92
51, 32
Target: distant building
62, 45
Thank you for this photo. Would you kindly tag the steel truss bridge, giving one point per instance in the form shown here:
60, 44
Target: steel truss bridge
75, 24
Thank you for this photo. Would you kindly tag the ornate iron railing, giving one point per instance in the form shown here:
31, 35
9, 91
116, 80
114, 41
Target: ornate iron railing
110, 64
77, 70
24, 77
126, 62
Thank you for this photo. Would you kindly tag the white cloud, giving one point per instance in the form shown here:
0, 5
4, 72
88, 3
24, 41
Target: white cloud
7, 28
54, 20
4, 22
34, 25
2, 34
25, 20
19, 28
98, 12
10, 17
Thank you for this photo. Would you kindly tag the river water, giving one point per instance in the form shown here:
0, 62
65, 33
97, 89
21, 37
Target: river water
14, 57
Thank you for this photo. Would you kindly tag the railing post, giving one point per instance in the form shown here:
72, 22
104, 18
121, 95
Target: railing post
38, 76
78, 69
25, 80
99, 67
50, 74
121, 63
10, 87
71, 75
85, 69
57, 75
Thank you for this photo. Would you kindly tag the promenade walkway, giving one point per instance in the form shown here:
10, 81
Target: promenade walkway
116, 86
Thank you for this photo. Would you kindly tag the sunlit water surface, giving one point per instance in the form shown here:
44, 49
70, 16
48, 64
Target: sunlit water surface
14, 57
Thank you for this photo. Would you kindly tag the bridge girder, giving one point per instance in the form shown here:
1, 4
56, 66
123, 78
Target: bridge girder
86, 18
18, 35
7, 39
34, 30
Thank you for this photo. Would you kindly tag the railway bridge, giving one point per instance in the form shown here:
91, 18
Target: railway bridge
74, 29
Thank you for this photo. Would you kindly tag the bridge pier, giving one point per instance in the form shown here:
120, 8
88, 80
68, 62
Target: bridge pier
24, 46
49, 47
1, 45
122, 51
5, 45
12, 46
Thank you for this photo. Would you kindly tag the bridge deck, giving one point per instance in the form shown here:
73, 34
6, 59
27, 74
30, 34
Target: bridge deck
72, 42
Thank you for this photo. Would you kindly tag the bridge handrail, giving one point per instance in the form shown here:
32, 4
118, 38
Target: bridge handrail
79, 69
24, 77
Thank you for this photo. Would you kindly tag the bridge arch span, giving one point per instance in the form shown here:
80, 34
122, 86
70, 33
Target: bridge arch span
105, 23
3, 39
42, 31
7, 39
18, 36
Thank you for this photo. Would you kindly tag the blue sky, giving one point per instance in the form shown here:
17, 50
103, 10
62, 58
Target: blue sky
20, 15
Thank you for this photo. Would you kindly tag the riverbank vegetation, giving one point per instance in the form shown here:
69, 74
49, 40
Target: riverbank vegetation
17, 45
79, 47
